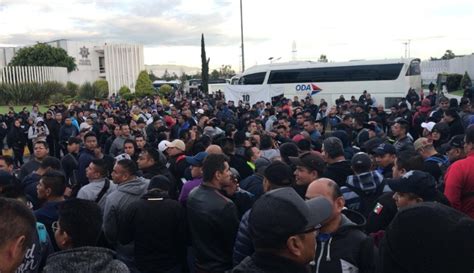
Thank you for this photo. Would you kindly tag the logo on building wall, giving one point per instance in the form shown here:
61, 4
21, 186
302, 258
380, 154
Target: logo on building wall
84, 52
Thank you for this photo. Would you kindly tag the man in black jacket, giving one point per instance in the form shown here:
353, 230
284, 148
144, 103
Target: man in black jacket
213, 218
156, 224
341, 243
338, 167
70, 162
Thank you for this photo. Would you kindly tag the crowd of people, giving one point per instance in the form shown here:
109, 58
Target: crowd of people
195, 183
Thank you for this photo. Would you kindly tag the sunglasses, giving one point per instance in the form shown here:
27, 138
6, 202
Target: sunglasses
55, 226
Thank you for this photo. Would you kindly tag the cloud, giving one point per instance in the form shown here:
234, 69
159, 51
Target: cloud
149, 22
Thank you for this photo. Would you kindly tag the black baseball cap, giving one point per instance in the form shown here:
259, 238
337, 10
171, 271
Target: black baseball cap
361, 161
281, 213
385, 148
456, 142
309, 160
416, 182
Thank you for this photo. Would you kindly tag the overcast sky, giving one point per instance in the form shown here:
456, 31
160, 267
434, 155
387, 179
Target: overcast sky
171, 30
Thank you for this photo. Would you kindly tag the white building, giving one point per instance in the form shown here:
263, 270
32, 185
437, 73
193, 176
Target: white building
119, 64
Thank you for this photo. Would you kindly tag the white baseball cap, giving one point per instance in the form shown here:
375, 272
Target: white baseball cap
163, 145
428, 125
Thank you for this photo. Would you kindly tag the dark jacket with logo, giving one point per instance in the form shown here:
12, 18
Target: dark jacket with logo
347, 249
269, 263
213, 222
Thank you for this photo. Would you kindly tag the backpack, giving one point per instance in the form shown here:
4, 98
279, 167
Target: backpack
443, 164
367, 200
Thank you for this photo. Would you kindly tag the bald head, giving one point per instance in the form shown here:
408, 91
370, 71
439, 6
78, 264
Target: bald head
214, 149
330, 190
323, 187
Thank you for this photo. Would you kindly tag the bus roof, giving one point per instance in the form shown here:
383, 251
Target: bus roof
311, 64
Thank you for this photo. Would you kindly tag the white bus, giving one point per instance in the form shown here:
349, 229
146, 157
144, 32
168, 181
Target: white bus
386, 80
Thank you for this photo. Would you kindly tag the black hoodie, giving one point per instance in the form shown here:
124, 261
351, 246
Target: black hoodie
338, 171
348, 249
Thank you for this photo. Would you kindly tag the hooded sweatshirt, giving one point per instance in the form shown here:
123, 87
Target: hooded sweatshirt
84, 259
348, 249
116, 204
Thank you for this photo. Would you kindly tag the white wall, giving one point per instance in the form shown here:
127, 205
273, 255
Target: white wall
431, 69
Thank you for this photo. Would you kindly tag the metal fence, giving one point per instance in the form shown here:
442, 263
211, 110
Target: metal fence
25, 74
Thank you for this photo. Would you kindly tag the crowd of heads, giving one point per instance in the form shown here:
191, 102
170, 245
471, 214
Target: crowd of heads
291, 175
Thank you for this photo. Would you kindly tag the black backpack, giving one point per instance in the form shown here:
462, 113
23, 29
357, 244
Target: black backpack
367, 200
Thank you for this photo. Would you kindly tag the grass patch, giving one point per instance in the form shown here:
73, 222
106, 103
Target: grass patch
5, 108
457, 92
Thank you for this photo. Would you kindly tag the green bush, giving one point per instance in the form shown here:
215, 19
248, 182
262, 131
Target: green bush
453, 82
29, 93
144, 86
129, 96
89, 91
86, 91
165, 90
57, 98
102, 89
124, 90
71, 89
466, 81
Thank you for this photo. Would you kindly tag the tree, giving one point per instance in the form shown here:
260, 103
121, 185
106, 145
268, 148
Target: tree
226, 71
43, 54
448, 55
214, 75
204, 67
466, 81
152, 76
166, 75
144, 86
323, 59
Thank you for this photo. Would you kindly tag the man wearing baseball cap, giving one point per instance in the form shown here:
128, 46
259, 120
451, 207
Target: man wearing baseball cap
283, 228
415, 187
434, 162
196, 173
177, 163
276, 175
455, 149
385, 155
309, 167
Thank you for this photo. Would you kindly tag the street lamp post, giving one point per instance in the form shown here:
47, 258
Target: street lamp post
242, 36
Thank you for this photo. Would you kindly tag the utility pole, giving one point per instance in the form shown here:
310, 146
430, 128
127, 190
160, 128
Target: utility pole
242, 36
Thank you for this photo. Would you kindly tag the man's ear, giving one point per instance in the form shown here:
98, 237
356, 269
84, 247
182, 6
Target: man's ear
340, 203
48, 191
294, 245
16, 248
